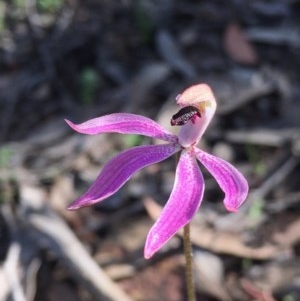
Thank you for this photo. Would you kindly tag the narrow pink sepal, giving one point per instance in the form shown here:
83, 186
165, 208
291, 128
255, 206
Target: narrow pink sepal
182, 205
123, 123
231, 181
119, 170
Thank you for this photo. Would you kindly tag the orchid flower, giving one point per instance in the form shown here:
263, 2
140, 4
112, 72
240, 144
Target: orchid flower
197, 107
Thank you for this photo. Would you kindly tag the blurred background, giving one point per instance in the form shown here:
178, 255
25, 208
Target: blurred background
82, 59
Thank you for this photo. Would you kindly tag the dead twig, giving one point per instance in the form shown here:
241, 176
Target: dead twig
260, 193
246, 96
220, 241
51, 231
11, 268
262, 136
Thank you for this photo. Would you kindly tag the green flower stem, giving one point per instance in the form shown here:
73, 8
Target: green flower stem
188, 265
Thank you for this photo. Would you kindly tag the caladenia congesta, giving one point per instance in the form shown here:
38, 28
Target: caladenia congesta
197, 107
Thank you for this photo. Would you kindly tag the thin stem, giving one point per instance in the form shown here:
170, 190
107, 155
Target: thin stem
188, 265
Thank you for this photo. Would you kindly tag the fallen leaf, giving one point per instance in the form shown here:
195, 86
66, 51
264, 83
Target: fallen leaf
238, 47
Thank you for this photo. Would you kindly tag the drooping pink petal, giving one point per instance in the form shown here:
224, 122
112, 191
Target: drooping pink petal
119, 170
231, 181
182, 205
123, 123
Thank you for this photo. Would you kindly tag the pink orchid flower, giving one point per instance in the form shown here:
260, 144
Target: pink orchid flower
198, 106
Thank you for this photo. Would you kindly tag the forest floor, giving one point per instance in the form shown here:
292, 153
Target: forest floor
82, 59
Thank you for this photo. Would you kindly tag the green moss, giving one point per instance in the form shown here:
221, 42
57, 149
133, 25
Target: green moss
89, 83
6, 154
49, 6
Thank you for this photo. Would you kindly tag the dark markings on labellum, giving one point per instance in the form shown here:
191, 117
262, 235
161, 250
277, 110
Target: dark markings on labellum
184, 115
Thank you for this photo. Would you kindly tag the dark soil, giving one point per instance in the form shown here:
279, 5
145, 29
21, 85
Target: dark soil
82, 59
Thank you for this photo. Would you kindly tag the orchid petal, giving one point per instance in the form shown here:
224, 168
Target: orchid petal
123, 123
182, 205
202, 98
119, 170
231, 181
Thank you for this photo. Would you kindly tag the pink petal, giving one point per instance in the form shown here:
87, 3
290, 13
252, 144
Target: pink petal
231, 181
195, 94
201, 97
119, 170
123, 123
182, 205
